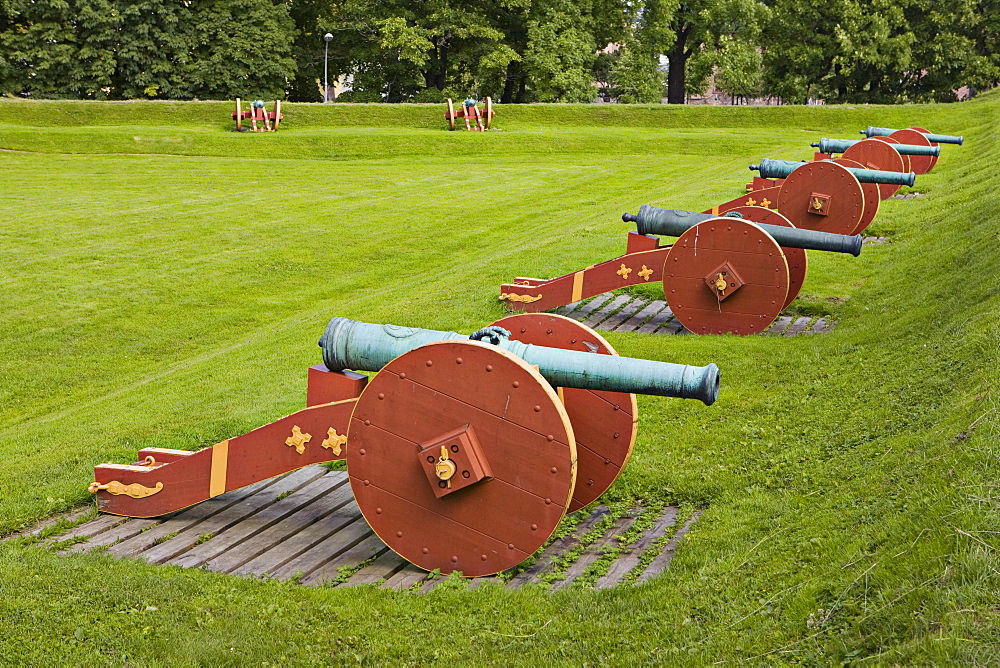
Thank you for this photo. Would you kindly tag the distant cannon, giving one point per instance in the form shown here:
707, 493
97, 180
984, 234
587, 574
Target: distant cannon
463, 452
257, 112
729, 274
886, 153
470, 110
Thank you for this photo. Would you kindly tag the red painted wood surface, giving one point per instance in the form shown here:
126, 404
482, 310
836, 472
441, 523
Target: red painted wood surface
766, 197
746, 249
934, 158
919, 164
875, 154
325, 386
629, 269
844, 207
525, 434
604, 423
871, 194
257, 455
796, 258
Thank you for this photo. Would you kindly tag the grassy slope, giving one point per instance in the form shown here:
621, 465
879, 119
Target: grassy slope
165, 281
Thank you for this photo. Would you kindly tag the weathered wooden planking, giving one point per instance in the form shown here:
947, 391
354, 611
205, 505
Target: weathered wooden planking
592, 305
173, 524
315, 533
545, 560
605, 311
627, 562
779, 325
662, 561
798, 327
664, 316
596, 549
257, 523
197, 533
655, 317
637, 320
624, 314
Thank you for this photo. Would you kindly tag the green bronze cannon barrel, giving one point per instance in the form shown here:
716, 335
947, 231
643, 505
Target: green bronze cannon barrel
840, 145
349, 344
937, 139
779, 169
672, 223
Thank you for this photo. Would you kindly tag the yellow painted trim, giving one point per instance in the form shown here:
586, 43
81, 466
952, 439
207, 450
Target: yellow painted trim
715, 211
220, 461
578, 286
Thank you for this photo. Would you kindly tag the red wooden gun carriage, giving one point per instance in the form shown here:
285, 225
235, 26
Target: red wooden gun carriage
258, 113
463, 452
469, 110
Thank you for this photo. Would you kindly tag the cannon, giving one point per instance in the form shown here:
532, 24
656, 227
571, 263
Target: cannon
837, 196
484, 119
883, 153
258, 112
913, 136
463, 452
724, 274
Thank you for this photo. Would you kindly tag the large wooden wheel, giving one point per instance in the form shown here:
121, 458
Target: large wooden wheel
822, 196
919, 164
925, 131
604, 423
502, 426
871, 193
875, 154
489, 112
732, 254
798, 262
239, 115
451, 114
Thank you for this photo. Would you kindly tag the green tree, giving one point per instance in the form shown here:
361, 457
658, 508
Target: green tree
878, 51
740, 69
560, 53
242, 48
152, 51
635, 77
686, 29
58, 48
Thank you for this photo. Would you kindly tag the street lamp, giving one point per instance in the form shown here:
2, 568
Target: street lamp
326, 56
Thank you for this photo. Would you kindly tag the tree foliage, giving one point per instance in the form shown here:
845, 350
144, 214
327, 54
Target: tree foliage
512, 50
112, 49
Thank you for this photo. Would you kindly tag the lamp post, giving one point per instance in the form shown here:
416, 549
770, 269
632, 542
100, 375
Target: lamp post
326, 57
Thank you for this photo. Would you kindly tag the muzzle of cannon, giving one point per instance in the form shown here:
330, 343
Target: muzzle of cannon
782, 169
826, 145
931, 137
723, 274
463, 455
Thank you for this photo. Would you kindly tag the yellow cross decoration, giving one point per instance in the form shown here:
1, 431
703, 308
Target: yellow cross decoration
751, 201
334, 441
765, 202
298, 440
646, 273
624, 272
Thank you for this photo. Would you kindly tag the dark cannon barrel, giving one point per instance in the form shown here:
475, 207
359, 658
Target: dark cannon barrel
780, 169
673, 223
840, 145
937, 139
349, 344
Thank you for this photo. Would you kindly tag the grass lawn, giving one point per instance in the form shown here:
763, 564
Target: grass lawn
164, 282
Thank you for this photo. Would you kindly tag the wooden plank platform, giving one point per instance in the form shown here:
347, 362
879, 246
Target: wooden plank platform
305, 526
624, 313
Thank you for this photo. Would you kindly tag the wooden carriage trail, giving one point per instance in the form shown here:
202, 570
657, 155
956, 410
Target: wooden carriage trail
305, 526
625, 313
